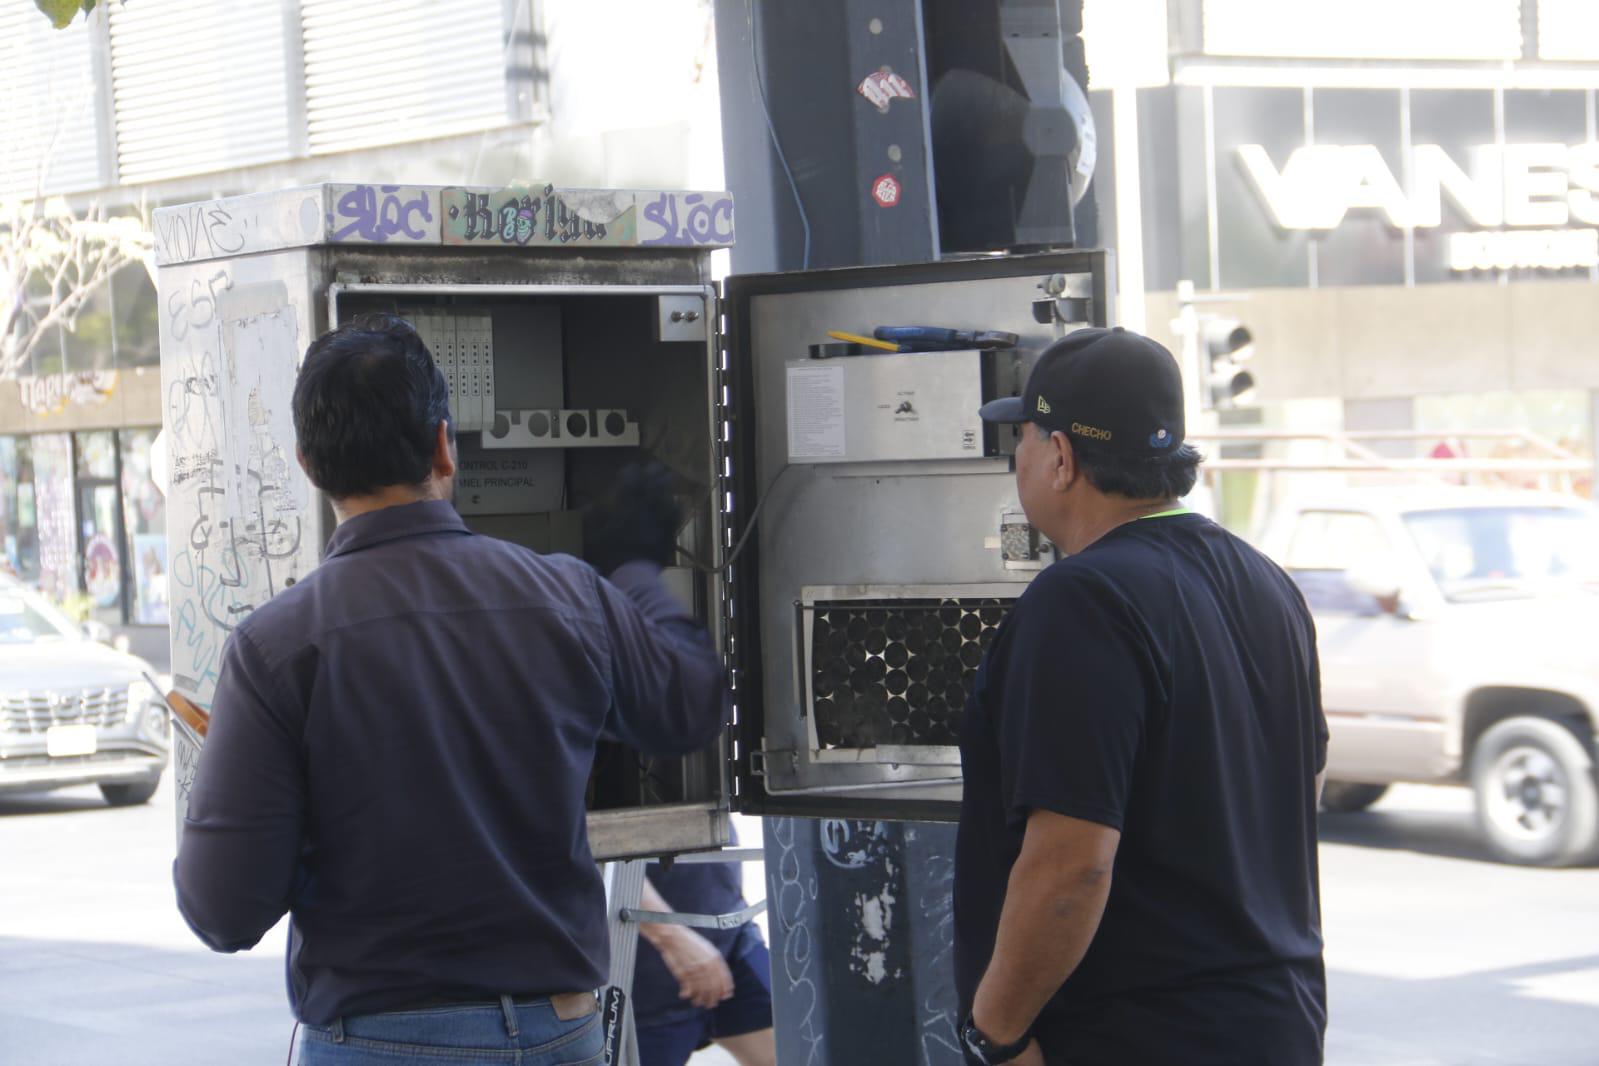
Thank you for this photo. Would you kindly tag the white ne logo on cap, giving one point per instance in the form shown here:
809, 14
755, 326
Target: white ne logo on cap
1043, 406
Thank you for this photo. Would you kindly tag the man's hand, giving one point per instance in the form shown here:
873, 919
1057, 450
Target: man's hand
702, 974
638, 518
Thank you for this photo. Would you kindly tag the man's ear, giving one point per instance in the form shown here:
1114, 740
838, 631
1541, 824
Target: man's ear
1064, 470
443, 453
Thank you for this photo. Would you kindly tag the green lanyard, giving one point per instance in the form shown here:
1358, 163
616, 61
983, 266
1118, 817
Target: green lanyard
1167, 514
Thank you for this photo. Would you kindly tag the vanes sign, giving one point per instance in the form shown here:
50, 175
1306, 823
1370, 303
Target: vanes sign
1547, 185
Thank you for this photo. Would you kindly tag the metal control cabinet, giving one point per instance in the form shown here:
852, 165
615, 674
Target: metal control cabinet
578, 328
875, 580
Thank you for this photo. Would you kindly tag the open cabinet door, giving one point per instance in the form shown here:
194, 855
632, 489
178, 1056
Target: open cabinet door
888, 540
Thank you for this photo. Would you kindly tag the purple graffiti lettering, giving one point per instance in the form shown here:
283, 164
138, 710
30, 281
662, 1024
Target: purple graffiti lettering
703, 222
663, 212
377, 218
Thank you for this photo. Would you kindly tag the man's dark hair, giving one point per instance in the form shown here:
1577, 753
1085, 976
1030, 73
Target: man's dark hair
367, 407
1138, 477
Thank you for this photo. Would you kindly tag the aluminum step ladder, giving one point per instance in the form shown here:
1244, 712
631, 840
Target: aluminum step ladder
624, 886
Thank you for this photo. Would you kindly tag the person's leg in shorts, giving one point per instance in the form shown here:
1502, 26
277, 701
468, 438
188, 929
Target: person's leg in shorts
742, 1024
672, 1043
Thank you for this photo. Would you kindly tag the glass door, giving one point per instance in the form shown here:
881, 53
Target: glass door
100, 526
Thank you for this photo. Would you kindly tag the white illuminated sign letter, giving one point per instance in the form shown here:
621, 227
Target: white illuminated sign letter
1537, 188
1367, 182
1321, 183
1309, 193
1481, 196
1535, 185
1582, 168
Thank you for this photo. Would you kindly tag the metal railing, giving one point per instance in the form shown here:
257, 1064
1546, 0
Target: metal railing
1351, 454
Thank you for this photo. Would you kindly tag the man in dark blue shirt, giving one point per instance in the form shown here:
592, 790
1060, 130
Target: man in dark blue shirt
1136, 875
400, 744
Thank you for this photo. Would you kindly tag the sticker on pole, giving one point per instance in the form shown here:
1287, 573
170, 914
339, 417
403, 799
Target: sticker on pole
881, 86
885, 190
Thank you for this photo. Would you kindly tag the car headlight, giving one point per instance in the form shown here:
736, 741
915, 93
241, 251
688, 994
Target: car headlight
140, 695
155, 721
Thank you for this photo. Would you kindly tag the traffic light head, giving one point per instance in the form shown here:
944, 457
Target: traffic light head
1225, 345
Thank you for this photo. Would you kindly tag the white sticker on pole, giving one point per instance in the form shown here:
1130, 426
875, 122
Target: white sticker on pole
815, 412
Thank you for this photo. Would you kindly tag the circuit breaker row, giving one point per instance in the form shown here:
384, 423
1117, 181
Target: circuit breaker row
463, 347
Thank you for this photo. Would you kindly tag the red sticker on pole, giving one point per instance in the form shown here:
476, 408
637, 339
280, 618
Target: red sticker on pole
885, 190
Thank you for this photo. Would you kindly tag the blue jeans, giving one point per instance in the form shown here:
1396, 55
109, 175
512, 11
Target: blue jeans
527, 1034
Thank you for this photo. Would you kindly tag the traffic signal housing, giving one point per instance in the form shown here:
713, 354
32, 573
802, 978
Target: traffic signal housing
1225, 345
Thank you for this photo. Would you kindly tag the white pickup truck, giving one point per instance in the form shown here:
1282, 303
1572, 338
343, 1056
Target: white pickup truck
1459, 638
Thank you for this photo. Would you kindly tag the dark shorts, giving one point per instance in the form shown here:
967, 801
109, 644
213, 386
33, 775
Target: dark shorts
748, 1010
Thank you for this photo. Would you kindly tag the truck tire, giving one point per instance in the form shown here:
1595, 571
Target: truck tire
131, 793
1537, 798
1347, 797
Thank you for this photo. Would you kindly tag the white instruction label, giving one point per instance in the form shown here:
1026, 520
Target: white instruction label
815, 412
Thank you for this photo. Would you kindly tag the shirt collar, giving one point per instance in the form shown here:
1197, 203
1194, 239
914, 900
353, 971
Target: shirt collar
392, 523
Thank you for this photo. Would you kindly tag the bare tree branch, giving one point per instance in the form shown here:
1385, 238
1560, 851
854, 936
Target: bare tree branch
70, 255
53, 258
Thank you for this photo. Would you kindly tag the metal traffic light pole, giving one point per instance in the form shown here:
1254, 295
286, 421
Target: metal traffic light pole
873, 132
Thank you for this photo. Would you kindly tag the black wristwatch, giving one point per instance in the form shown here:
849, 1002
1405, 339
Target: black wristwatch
982, 1051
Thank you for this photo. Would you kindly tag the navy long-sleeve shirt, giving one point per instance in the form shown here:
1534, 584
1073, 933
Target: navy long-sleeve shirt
398, 754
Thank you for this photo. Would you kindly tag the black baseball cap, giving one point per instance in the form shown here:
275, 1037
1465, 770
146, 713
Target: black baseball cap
1108, 389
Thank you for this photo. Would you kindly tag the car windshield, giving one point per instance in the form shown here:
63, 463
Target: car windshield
1476, 552
24, 620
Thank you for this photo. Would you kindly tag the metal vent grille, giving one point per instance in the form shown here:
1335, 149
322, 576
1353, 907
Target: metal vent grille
896, 671
438, 69
200, 85
35, 712
48, 114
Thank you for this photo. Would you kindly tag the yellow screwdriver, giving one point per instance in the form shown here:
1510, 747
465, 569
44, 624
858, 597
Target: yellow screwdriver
856, 338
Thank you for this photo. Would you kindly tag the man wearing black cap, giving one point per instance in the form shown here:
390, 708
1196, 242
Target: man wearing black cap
1136, 876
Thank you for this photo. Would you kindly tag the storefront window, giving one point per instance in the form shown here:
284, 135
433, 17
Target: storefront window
88, 343
19, 536
133, 301
46, 357
145, 517
57, 576
97, 455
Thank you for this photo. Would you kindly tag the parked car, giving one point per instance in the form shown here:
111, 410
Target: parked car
72, 710
1457, 636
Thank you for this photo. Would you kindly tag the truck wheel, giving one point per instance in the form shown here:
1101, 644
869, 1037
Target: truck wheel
1346, 797
1537, 799
130, 794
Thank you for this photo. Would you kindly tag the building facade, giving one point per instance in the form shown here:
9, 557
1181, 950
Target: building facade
1399, 200
150, 104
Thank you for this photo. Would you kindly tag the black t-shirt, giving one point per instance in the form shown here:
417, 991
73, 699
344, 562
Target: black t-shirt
1162, 682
